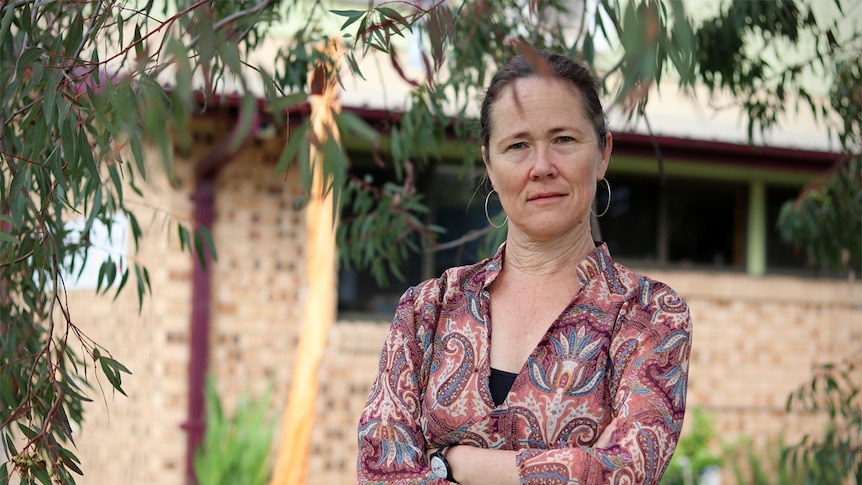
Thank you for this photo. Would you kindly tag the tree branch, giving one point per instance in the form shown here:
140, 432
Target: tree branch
15, 4
470, 236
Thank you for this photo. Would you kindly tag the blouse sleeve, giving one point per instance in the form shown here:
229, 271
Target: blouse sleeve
391, 443
649, 358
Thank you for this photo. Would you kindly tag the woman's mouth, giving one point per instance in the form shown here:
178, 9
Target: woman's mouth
545, 196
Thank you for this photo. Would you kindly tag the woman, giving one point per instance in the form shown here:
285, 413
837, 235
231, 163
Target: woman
549, 362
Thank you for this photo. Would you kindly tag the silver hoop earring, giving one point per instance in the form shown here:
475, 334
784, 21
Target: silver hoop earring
608, 185
487, 216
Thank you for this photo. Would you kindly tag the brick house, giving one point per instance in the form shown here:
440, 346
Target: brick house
762, 320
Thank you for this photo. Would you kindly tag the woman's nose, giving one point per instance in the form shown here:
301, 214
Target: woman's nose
542, 166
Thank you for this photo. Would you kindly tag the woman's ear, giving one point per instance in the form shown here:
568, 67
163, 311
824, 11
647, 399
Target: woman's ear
605, 156
488, 166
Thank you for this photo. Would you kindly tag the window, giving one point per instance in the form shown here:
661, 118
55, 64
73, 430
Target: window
105, 242
705, 223
688, 222
630, 226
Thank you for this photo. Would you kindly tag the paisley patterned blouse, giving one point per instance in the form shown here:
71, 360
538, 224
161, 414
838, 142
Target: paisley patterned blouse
620, 349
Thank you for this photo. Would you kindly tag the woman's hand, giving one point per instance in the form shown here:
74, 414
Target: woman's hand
605, 438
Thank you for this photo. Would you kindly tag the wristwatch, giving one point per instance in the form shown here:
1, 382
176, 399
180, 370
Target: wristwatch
440, 466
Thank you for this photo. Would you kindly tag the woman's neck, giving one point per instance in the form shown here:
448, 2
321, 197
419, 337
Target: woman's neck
545, 258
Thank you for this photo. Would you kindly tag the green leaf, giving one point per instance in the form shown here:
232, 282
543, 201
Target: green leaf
294, 142
6, 24
6, 237
101, 276
352, 16
137, 153
141, 286
122, 284
279, 104
247, 115
348, 13
71, 461
10, 444
113, 371
588, 49
136, 228
841, 11
229, 52
394, 15
335, 165
74, 35
348, 121
199, 250
114, 173
204, 232
185, 239
20, 181
41, 474
115, 365
27, 58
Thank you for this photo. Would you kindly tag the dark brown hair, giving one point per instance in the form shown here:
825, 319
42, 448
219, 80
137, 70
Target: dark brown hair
565, 68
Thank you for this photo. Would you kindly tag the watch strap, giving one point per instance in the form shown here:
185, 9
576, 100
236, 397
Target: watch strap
442, 457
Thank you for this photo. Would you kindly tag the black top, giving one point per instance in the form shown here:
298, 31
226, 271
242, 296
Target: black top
500, 383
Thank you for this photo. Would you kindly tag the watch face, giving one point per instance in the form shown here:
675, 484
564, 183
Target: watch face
438, 467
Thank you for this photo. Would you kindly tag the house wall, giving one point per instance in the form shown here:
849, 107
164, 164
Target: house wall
755, 340
138, 439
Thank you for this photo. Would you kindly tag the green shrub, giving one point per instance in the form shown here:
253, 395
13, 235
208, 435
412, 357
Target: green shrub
235, 449
693, 455
835, 454
760, 465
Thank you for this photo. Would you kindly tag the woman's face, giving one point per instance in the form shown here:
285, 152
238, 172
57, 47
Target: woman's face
543, 158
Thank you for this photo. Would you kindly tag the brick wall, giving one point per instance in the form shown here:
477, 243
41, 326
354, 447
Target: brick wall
756, 339
138, 439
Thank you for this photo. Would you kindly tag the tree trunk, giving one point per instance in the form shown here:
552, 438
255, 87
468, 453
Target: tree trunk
320, 303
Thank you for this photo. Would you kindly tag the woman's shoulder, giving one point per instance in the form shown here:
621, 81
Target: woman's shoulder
423, 302
645, 290
455, 280
471, 277
653, 304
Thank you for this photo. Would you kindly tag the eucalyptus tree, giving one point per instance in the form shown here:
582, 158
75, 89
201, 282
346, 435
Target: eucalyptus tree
775, 58
83, 93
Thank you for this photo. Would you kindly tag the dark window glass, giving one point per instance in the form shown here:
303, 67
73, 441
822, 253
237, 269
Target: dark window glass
705, 223
630, 225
